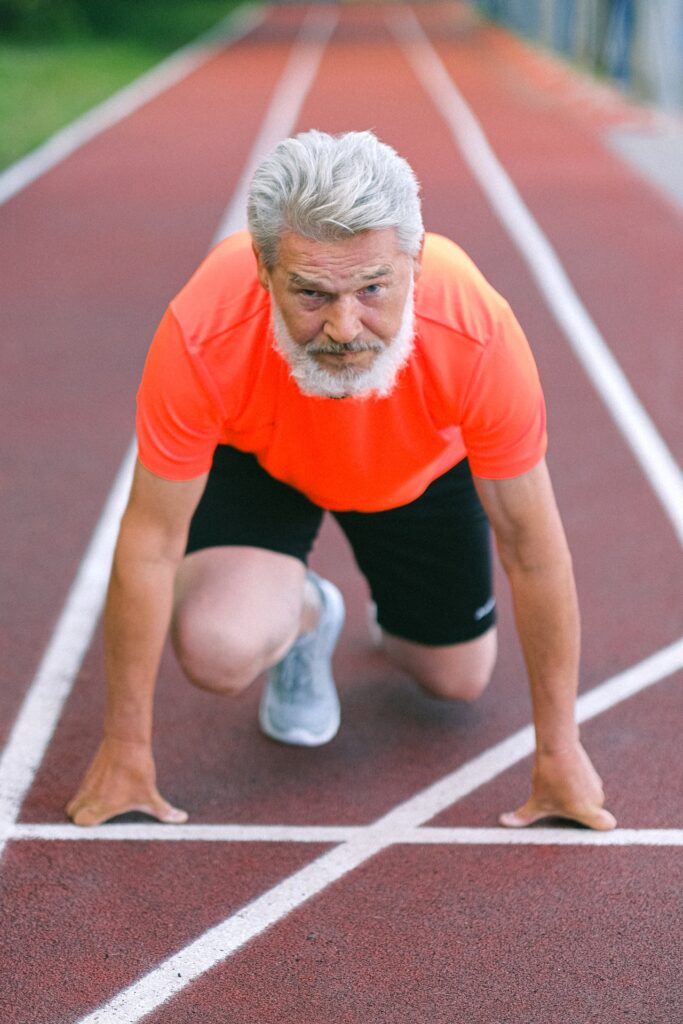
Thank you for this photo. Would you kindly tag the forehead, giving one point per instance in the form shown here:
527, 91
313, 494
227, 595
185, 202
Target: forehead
334, 261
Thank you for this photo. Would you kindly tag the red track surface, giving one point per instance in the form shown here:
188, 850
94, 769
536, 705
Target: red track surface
459, 934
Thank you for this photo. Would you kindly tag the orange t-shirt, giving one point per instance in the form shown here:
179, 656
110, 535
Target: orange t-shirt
470, 388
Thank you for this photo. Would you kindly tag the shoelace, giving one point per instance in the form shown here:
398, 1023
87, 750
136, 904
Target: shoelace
296, 678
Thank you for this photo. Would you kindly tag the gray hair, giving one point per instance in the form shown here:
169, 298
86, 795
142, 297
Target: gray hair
333, 187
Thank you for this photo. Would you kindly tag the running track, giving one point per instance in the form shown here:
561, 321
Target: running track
366, 881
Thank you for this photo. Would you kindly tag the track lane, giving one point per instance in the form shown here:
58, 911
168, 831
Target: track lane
78, 928
73, 633
392, 724
446, 936
80, 300
630, 284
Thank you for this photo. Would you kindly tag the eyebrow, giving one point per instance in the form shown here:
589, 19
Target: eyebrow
379, 272
305, 282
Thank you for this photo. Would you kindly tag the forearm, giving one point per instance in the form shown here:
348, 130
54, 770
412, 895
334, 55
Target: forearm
547, 616
534, 552
136, 622
150, 546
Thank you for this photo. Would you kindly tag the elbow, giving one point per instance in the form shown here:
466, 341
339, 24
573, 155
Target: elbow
141, 541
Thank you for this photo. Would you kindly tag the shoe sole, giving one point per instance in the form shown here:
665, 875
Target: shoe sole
297, 737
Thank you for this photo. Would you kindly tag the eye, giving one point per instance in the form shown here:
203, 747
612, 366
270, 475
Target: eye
372, 289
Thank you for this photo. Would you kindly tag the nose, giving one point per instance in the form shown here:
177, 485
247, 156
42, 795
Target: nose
343, 323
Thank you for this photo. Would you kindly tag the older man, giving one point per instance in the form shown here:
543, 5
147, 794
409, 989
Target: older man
334, 359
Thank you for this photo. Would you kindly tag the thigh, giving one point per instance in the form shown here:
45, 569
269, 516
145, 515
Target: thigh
244, 595
239, 590
428, 563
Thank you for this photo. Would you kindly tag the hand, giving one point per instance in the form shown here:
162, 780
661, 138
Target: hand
121, 778
564, 785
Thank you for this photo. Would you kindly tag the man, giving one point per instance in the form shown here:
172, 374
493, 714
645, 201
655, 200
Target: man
334, 359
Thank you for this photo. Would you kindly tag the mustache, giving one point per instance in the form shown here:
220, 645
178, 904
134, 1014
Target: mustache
337, 348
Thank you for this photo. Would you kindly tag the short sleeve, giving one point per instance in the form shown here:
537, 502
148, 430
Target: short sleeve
504, 422
178, 420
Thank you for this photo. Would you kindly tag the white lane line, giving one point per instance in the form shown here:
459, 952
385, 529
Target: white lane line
173, 975
52, 684
639, 431
222, 941
431, 801
154, 832
325, 834
280, 120
482, 769
144, 996
127, 100
62, 659
544, 837
658, 666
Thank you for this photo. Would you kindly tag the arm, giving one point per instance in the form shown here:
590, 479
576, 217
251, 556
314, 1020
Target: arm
534, 553
150, 546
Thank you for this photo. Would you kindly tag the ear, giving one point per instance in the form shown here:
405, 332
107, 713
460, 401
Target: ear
417, 260
261, 269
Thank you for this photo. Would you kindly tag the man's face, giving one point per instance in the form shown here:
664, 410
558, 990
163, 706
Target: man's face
342, 311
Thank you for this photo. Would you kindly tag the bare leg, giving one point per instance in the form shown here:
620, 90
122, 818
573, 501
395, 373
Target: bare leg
237, 612
459, 671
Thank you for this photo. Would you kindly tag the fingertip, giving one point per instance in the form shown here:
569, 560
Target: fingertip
605, 822
174, 816
85, 820
511, 819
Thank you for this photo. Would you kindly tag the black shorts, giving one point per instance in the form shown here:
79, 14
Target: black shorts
428, 563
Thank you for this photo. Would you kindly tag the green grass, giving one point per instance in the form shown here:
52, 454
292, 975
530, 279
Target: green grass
44, 87
44, 84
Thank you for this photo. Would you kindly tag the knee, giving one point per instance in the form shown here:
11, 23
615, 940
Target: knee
216, 657
456, 685
213, 660
457, 672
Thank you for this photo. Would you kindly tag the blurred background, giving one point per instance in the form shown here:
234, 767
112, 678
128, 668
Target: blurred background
639, 43
59, 57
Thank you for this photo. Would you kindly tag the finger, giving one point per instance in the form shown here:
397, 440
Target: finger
167, 813
596, 818
523, 816
88, 815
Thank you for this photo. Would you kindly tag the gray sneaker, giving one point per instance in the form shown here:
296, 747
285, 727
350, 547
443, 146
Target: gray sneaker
300, 703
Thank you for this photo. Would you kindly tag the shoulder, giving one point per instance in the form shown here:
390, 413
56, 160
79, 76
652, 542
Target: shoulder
223, 294
452, 293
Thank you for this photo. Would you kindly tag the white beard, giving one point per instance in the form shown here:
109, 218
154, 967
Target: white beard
378, 379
